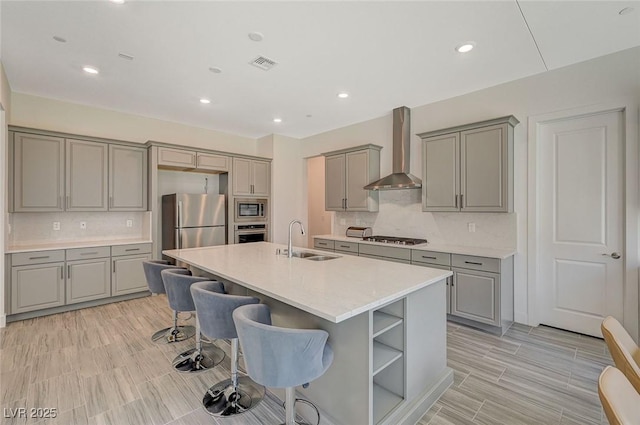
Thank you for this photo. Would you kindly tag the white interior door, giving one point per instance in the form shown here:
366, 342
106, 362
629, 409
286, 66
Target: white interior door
580, 258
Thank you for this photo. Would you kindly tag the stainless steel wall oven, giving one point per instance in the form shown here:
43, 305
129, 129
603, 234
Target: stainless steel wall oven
246, 233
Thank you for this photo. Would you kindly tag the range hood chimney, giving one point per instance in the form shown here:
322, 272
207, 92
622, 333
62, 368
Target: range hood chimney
401, 178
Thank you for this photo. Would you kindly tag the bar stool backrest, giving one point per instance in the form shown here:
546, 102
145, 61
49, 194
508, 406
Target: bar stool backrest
152, 270
177, 285
624, 351
280, 357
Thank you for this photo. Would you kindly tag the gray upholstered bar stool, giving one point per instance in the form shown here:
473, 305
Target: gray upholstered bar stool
178, 287
238, 394
175, 333
281, 357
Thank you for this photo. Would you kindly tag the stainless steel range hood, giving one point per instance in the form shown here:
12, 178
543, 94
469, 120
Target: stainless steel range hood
401, 178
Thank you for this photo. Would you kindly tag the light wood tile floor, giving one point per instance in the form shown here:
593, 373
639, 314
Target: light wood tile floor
97, 366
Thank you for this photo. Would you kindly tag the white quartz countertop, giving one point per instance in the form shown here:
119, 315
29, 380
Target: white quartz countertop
451, 249
50, 246
335, 289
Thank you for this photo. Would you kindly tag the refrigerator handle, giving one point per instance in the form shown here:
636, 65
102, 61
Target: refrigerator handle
179, 214
179, 238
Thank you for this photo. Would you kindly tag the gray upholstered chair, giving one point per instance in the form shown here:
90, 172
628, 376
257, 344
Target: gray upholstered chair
178, 287
152, 272
281, 357
238, 394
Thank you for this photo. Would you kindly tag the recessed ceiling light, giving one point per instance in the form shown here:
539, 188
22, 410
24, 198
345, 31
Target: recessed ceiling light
465, 47
90, 70
205, 101
117, 1
277, 120
626, 10
215, 70
256, 36
343, 95
59, 39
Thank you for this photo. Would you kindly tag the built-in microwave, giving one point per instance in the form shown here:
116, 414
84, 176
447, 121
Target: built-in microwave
251, 210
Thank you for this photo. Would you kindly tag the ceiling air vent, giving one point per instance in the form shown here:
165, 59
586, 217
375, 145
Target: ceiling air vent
263, 63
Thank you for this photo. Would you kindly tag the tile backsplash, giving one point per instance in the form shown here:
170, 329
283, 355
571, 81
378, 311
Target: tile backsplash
36, 228
400, 214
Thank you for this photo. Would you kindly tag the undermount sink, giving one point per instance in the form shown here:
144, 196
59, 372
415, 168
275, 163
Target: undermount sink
321, 257
313, 256
304, 254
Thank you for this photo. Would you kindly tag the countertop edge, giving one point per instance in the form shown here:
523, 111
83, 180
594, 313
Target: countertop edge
16, 249
498, 253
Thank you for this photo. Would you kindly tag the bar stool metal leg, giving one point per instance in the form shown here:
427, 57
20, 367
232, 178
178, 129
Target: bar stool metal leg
233, 396
175, 333
200, 358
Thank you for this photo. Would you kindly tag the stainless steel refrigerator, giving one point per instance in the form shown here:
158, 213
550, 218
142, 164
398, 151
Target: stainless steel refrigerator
193, 220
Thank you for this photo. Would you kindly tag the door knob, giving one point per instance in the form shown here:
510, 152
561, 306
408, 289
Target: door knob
613, 255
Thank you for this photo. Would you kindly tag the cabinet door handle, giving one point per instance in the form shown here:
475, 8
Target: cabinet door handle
89, 253
132, 249
456, 201
450, 280
473, 262
429, 258
68, 201
114, 266
345, 246
61, 272
461, 200
68, 271
39, 258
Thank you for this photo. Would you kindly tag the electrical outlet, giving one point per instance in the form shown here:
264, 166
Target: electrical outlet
56, 225
472, 227
129, 223
83, 224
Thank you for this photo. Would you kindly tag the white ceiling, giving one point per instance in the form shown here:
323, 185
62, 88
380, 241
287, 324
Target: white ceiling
385, 54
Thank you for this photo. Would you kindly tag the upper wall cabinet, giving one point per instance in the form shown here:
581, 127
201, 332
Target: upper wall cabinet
86, 176
127, 178
469, 168
57, 174
346, 173
38, 173
251, 177
184, 160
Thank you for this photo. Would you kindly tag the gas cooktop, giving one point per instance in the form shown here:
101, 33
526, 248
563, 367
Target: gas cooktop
395, 240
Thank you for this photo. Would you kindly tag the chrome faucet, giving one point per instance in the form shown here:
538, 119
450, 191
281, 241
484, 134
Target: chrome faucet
289, 247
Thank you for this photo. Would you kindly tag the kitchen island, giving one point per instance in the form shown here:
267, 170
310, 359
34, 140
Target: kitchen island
386, 324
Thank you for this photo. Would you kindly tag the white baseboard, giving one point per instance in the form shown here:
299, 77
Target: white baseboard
3, 321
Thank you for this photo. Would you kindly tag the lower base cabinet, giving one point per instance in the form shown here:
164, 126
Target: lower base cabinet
126, 268
38, 286
476, 296
43, 279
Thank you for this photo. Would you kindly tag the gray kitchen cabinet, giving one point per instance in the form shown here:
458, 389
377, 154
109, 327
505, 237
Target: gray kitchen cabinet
213, 162
86, 176
349, 248
37, 280
88, 276
176, 158
436, 260
127, 178
186, 160
469, 168
38, 173
251, 177
346, 173
127, 275
324, 244
482, 292
389, 253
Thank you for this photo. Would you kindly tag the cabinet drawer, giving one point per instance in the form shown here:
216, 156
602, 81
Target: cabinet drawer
139, 248
37, 257
431, 257
323, 244
88, 253
476, 263
176, 158
376, 257
346, 246
207, 161
386, 251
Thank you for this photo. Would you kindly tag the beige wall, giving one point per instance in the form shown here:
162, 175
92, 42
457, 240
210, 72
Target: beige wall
606, 80
319, 219
55, 115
